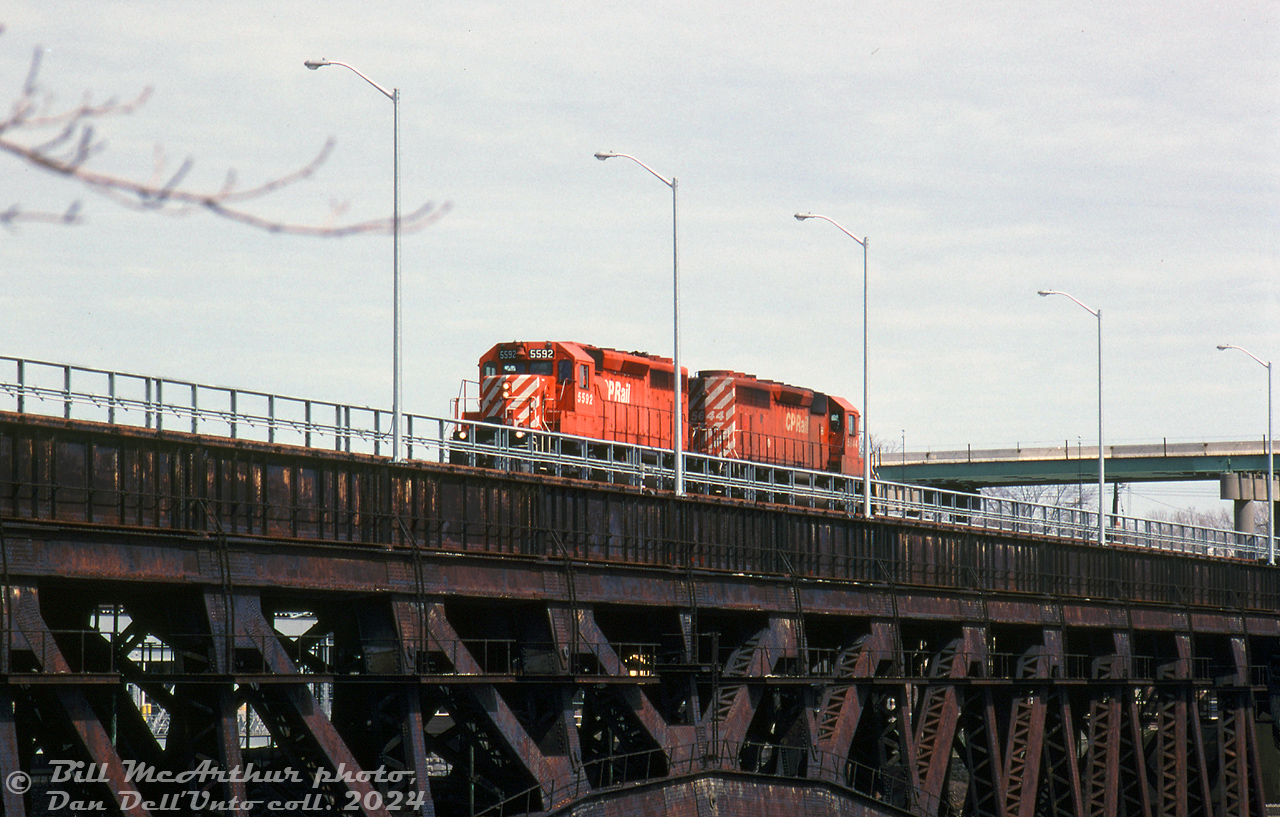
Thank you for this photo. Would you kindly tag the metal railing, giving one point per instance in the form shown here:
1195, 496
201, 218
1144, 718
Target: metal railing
74, 392
92, 651
1085, 453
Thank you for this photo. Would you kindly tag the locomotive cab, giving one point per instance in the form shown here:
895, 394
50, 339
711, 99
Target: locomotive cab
843, 437
519, 387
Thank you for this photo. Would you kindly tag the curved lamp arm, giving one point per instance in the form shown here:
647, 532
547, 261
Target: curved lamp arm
314, 64
602, 155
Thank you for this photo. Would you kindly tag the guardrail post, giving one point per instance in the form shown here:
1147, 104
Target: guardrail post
110, 397
634, 467
377, 433
233, 414
195, 409
306, 405
66, 392
409, 436
21, 387
159, 404
271, 418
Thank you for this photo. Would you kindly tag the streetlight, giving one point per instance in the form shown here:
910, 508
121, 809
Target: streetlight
394, 96
866, 434
1097, 313
678, 423
1271, 471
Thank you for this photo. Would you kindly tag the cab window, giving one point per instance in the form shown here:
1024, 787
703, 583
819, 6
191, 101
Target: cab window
542, 367
564, 370
490, 370
584, 376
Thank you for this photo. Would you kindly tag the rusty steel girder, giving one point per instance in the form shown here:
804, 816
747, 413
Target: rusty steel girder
514, 644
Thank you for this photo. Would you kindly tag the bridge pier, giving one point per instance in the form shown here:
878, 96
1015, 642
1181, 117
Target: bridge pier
1245, 491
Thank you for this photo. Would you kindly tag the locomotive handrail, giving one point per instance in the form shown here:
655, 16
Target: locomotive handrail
76, 392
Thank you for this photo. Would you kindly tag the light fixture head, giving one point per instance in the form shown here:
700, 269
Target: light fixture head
1223, 348
803, 216
314, 64
602, 155
1043, 293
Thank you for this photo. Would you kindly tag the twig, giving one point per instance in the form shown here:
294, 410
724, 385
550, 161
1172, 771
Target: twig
77, 129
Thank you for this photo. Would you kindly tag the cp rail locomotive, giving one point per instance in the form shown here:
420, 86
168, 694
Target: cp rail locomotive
627, 397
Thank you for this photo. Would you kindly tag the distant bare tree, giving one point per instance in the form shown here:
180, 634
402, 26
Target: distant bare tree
63, 140
1220, 517
884, 449
1077, 496
1071, 495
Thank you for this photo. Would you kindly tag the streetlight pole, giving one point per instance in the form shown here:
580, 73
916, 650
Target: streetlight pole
677, 426
866, 433
1271, 471
394, 96
1102, 484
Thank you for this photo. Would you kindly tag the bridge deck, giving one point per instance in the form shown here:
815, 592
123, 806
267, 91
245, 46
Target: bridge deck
127, 400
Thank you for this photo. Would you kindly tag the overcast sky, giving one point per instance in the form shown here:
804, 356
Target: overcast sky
1126, 153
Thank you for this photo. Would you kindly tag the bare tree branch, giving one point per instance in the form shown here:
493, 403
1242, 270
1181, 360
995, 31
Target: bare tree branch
15, 214
69, 151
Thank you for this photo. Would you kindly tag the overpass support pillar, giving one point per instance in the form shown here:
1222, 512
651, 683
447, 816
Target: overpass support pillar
1245, 490
1244, 516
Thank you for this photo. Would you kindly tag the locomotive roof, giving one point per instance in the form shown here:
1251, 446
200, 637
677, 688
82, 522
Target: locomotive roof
755, 380
586, 347
622, 361
783, 392
604, 353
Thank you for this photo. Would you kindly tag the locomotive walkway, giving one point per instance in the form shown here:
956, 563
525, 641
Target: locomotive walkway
545, 630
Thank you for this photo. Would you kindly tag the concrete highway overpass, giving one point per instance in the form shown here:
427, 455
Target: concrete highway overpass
1158, 462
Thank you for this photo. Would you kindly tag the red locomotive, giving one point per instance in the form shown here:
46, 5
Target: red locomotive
737, 415
627, 397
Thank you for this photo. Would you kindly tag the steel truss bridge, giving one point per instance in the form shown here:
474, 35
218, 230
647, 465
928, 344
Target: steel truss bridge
544, 628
